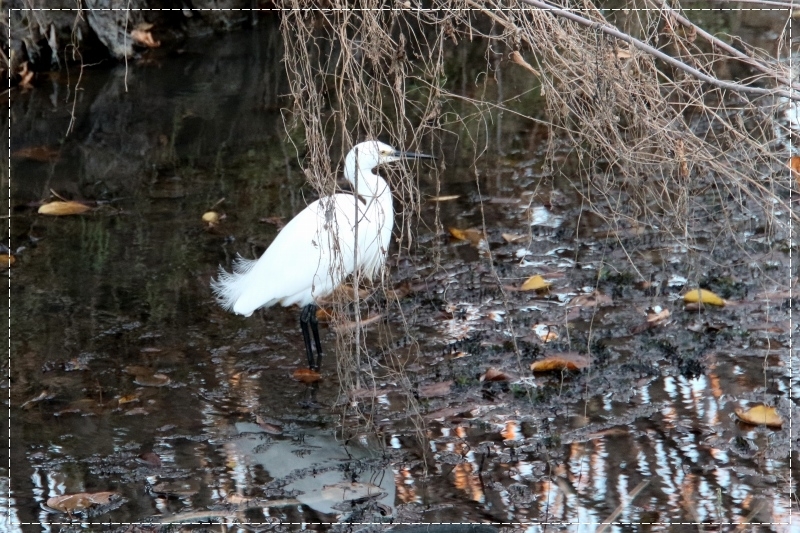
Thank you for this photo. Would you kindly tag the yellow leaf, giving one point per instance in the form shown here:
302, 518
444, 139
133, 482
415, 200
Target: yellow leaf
59, 208
703, 296
474, 236
211, 217
535, 283
6, 260
563, 361
761, 415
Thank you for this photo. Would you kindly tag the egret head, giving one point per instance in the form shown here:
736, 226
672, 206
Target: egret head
369, 154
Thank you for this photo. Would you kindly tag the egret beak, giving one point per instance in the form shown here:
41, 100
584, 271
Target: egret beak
411, 155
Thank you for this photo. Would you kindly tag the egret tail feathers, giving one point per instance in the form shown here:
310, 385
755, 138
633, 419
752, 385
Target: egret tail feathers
229, 287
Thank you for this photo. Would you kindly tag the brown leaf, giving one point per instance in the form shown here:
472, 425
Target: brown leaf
761, 415
306, 375
351, 325
59, 208
69, 503
493, 374
794, 164
435, 389
6, 260
593, 299
474, 236
45, 154
562, 361
277, 221
535, 283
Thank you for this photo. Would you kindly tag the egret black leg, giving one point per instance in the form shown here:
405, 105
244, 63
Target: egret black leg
305, 317
315, 331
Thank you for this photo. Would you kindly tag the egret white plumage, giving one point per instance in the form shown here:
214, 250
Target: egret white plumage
330, 239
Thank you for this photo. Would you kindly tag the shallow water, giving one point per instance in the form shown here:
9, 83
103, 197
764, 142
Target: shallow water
127, 377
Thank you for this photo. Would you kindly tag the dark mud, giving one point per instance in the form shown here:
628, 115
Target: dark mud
127, 378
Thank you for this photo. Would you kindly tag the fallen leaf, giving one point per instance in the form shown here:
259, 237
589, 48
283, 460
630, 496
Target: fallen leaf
545, 332
399, 292
69, 503
593, 299
129, 398
351, 325
760, 415
474, 236
562, 361
444, 198
306, 375
151, 380
211, 218
514, 237
703, 296
435, 389
324, 315
150, 459
277, 221
493, 374
535, 283
44, 154
59, 208
143, 36
6, 260
623, 54
794, 164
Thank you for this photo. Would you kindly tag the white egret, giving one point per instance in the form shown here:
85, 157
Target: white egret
326, 242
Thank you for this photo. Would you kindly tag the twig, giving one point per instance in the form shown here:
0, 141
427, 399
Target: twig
744, 58
609, 30
613, 516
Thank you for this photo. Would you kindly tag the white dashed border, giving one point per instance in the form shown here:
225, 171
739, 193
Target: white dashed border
518, 524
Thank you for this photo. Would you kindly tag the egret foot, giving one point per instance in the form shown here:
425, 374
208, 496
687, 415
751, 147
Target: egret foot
308, 317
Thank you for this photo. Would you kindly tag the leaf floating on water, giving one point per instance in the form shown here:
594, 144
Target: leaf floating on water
761, 415
44, 154
446, 198
70, 503
535, 283
60, 208
6, 260
128, 398
306, 375
703, 296
474, 236
150, 459
152, 380
563, 361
